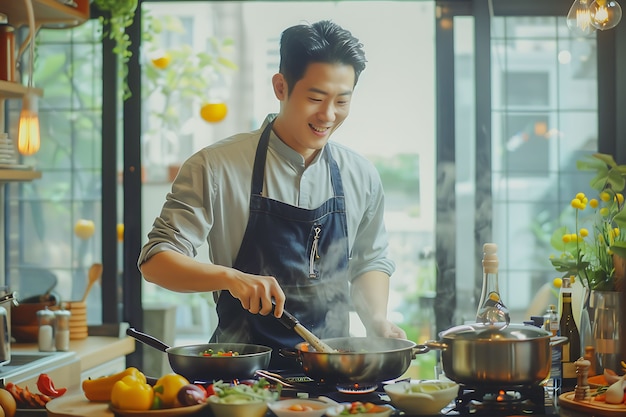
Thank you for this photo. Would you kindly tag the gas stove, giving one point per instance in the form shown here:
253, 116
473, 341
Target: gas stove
471, 401
487, 400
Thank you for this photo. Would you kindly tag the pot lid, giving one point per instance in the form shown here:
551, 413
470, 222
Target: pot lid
496, 331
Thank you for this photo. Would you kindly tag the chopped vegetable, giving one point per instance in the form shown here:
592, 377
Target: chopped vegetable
237, 393
211, 352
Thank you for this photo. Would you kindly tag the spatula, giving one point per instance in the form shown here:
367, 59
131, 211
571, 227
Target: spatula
95, 271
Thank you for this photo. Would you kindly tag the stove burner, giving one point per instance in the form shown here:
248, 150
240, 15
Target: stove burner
524, 399
356, 388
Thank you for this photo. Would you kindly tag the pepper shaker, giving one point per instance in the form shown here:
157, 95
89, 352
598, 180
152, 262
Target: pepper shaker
45, 337
62, 330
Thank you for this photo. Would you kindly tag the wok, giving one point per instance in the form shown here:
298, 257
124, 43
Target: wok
189, 362
500, 354
357, 360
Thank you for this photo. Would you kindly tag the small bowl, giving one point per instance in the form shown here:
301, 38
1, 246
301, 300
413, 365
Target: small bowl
312, 407
253, 408
426, 397
335, 411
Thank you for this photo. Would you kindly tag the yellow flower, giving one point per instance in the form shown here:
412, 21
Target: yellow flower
604, 196
572, 279
584, 232
620, 198
580, 196
557, 282
567, 238
604, 211
594, 203
577, 204
616, 231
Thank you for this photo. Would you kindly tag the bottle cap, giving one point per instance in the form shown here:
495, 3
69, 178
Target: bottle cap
566, 283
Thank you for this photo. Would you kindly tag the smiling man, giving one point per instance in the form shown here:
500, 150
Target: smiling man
292, 221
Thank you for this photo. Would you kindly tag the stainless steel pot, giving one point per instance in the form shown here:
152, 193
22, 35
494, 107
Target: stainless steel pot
357, 360
499, 354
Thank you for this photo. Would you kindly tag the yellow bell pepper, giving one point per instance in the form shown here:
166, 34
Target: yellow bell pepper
99, 389
132, 393
167, 387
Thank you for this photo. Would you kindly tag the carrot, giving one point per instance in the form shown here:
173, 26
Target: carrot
600, 397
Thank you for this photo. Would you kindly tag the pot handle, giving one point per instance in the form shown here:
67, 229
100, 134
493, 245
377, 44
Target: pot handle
558, 340
288, 353
433, 344
419, 349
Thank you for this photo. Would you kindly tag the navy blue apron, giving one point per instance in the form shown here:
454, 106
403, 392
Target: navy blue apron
306, 251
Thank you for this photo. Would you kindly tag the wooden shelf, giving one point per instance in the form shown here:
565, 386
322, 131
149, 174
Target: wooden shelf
48, 13
10, 89
19, 175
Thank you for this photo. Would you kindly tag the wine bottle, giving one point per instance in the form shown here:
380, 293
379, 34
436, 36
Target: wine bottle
570, 351
491, 309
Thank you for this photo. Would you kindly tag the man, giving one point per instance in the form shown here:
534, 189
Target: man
292, 221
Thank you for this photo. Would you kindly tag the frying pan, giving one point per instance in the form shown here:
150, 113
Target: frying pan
189, 362
356, 359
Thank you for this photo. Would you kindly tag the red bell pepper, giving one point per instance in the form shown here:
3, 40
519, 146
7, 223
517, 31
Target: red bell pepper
46, 387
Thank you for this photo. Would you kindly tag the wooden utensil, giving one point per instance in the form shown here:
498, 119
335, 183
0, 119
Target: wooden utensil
95, 271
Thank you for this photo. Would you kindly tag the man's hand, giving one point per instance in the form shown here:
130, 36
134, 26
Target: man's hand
256, 292
385, 328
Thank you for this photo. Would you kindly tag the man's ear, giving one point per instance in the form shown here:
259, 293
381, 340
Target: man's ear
280, 86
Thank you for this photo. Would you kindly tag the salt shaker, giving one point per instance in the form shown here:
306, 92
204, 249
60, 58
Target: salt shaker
62, 330
45, 337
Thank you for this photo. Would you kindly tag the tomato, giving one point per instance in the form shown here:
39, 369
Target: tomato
210, 390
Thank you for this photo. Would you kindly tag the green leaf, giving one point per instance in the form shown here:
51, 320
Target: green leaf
606, 158
619, 248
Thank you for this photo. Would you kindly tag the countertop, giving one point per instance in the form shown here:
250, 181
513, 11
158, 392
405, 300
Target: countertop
92, 351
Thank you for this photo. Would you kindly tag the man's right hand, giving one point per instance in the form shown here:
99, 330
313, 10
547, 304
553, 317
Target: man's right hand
256, 292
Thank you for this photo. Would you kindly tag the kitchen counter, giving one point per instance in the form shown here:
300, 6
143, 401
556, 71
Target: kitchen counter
91, 357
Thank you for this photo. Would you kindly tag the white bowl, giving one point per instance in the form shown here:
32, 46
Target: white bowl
251, 408
312, 407
425, 397
335, 411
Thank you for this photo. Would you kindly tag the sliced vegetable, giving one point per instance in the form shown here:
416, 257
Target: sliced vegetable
46, 386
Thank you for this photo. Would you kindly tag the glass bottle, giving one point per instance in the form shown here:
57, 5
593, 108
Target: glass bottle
491, 309
570, 350
553, 384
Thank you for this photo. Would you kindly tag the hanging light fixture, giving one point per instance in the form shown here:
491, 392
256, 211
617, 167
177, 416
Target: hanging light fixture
579, 18
28, 135
605, 14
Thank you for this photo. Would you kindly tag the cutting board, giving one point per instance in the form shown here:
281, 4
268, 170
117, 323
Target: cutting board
596, 408
76, 405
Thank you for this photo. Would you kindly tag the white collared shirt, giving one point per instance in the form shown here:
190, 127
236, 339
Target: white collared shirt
210, 197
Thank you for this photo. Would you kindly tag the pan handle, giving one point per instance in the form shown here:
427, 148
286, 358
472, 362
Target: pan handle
147, 339
287, 319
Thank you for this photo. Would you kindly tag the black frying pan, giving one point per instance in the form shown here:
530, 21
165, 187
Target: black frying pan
189, 362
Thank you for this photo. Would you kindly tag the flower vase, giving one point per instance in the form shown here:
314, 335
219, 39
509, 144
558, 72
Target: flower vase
606, 329
586, 322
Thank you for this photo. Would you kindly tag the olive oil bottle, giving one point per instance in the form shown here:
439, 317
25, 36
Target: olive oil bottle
570, 351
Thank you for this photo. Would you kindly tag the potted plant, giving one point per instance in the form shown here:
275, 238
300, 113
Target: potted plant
118, 15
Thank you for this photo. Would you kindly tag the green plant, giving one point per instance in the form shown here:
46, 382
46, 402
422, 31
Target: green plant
119, 14
593, 253
180, 79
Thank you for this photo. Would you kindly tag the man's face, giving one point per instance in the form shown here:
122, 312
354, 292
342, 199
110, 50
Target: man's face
316, 107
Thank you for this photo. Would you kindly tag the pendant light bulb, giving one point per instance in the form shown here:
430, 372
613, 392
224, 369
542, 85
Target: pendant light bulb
579, 18
605, 14
28, 137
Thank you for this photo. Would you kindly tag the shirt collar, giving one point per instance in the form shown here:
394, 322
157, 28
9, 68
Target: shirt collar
284, 150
